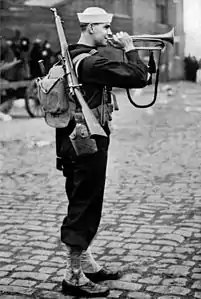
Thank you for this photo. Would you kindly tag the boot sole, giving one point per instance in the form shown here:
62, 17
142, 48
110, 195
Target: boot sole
75, 291
101, 276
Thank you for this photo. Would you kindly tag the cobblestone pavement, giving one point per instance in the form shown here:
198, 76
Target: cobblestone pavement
152, 213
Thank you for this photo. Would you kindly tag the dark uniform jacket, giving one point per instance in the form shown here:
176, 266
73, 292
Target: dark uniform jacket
95, 72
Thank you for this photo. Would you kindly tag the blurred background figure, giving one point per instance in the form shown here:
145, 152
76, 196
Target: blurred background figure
47, 56
14, 47
198, 74
191, 66
23, 70
8, 66
35, 56
24, 48
7, 56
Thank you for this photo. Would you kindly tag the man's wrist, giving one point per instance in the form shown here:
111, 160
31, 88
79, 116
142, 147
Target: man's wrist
129, 48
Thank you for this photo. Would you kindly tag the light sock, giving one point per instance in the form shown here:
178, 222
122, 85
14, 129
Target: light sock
73, 273
88, 263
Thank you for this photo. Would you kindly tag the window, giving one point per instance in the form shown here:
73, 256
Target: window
123, 7
177, 49
161, 11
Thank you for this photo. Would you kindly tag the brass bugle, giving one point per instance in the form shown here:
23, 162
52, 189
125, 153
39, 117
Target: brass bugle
166, 37
159, 41
161, 38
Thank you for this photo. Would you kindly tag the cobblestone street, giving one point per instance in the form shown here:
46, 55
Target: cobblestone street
152, 211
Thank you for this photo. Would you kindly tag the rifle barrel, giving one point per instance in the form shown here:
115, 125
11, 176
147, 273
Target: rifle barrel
92, 123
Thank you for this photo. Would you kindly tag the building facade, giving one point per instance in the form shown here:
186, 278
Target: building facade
159, 17
133, 16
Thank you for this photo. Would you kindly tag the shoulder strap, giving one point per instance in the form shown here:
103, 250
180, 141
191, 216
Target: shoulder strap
77, 59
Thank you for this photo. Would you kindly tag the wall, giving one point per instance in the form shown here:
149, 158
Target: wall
176, 53
145, 21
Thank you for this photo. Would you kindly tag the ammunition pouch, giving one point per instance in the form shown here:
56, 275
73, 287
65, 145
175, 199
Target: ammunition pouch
80, 137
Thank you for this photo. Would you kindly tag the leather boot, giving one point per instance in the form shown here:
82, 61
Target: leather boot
104, 274
75, 282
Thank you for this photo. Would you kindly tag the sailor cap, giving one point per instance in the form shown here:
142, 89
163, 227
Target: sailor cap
94, 15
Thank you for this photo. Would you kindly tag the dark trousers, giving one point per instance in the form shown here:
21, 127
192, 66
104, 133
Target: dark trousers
85, 185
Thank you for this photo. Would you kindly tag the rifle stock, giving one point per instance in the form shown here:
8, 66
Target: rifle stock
92, 123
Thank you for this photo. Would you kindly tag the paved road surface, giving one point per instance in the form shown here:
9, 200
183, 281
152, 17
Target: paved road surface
152, 213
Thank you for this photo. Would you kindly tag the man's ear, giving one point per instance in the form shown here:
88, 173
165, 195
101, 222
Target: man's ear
91, 28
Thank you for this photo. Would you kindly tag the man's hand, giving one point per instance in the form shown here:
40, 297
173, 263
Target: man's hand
122, 40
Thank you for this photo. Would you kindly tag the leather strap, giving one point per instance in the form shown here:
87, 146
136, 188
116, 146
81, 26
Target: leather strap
77, 59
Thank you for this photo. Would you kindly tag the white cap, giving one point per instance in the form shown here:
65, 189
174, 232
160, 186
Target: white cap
94, 15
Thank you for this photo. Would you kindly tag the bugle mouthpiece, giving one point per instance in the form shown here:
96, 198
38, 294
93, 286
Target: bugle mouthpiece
54, 10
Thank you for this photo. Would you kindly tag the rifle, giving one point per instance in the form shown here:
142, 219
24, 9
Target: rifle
92, 123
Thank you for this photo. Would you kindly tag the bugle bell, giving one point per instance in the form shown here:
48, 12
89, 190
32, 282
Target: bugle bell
158, 41
166, 37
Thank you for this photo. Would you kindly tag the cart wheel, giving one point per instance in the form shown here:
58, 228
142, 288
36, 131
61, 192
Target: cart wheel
32, 103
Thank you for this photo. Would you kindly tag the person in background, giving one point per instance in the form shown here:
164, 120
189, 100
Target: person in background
35, 56
47, 56
24, 48
8, 64
190, 66
198, 74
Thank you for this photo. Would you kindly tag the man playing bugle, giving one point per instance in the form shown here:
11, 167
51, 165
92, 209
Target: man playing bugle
83, 160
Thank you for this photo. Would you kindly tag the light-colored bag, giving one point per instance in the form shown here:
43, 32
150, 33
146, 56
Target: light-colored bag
54, 98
